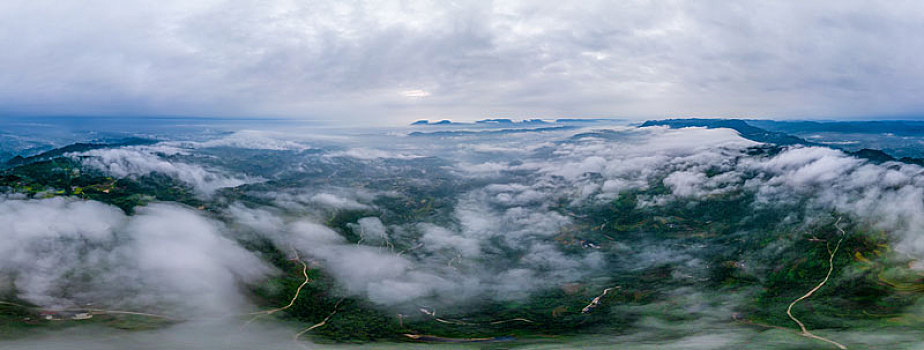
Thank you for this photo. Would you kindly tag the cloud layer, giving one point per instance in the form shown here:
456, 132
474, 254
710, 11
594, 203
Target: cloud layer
401, 60
60, 253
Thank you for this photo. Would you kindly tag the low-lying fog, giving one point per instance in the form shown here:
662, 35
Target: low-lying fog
492, 242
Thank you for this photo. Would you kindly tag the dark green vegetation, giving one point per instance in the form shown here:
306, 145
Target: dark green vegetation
720, 244
860, 289
778, 263
77, 147
744, 250
21, 320
65, 176
553, 312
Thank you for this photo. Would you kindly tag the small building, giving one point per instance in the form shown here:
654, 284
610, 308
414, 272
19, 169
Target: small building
65, 315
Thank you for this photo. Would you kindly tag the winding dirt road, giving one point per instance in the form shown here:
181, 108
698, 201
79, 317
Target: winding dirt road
831, 253
298, 291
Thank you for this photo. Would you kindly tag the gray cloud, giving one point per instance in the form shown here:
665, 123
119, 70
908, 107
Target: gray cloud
66, 253
451, 263
394, 61
140, 161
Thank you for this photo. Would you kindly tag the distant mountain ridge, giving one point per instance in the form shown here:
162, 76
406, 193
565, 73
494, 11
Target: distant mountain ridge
506, 121
757, 134
75, 147
491, 132
746, 130
896, 127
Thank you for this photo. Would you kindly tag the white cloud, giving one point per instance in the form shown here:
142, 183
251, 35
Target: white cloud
685, 183
68, 253
321, 199
183, 260
140, 161
369, 154
249, 139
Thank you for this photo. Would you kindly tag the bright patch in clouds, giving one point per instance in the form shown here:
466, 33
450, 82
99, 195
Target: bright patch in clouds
415, 93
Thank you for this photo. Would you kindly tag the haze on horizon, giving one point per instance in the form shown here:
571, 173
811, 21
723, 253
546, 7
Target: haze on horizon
396, 61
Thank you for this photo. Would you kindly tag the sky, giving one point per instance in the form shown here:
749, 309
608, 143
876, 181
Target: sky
380, 62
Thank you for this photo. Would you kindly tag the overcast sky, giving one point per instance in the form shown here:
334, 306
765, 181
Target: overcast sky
395, 61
